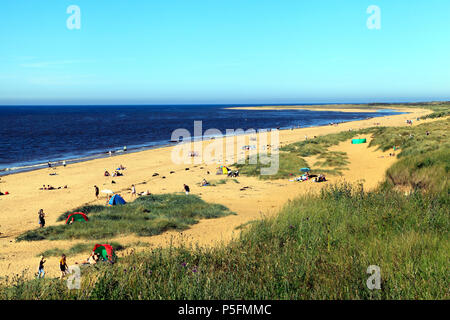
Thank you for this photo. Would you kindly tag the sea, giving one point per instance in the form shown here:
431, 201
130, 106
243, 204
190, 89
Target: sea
32, 136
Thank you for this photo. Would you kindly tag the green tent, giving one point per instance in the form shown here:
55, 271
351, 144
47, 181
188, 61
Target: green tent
358, 141
106, 252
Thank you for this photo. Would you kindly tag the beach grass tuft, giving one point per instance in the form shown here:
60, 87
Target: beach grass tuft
146, 216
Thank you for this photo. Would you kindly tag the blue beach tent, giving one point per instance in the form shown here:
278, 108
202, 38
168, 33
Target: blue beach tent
116, 199
304, 169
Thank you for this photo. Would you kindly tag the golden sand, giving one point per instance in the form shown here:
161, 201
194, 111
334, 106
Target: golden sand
18, 210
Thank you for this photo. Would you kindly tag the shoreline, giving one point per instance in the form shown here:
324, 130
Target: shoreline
262, 198
39, 165
337, 108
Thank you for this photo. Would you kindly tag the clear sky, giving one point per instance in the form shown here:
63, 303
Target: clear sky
233, 51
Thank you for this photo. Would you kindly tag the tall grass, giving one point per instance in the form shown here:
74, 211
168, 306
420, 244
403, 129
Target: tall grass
424, 160
291, 157
78, 248
318, 247
289, 164
146, 216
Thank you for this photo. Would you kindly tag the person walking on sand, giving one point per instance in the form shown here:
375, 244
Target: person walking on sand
41, 272
64, 163
186, 189
41, 215
133, 190
63, 266
96, 191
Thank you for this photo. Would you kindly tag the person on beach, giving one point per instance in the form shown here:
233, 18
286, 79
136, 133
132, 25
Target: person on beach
186, 189
96, 191
106, 174
49, 164
145, 193
64, 163
63, 266
92, 259
41, 215
41, 272
133, 190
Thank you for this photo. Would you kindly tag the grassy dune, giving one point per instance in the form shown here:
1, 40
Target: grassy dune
318, 247
146, 216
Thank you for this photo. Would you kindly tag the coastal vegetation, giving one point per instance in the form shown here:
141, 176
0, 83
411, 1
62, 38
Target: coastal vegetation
318, 247
146, 216
79, 248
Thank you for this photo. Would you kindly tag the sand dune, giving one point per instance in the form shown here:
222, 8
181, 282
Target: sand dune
18, 210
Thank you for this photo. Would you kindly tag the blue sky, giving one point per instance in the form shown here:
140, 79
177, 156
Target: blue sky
210, 51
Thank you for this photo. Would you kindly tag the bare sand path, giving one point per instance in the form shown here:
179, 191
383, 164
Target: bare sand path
18, 210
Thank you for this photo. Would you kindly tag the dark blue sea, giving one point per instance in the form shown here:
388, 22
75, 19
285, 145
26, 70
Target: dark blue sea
30, 136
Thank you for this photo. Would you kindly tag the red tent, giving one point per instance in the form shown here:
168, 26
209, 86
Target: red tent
105, 251
76, 216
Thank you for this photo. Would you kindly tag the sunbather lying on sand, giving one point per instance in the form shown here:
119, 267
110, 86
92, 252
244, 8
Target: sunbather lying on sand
92, 259
145, 193
320, 178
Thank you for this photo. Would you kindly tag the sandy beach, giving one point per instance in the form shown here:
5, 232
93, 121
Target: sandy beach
18, 210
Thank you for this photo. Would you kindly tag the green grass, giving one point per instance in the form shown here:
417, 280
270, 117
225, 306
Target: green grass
289, 164
440, 110
424, 160
78, 248
146, 216
335, 159
317, 247
291, 157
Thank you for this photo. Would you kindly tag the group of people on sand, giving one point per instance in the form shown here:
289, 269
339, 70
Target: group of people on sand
306, 176
116, 172
320, 178
64, 163
49, 187
63, 267
303, 177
